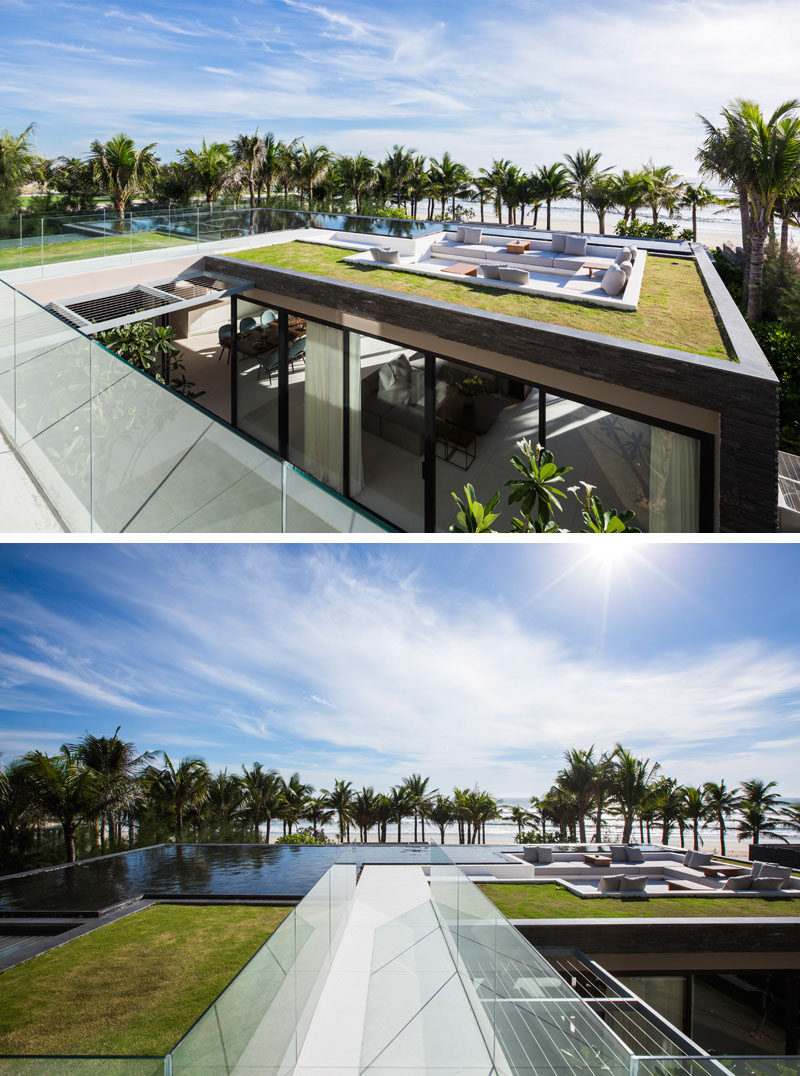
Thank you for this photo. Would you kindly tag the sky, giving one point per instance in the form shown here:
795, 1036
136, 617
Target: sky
527, 80
479, 663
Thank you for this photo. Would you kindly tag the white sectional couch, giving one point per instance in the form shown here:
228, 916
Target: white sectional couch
540, 257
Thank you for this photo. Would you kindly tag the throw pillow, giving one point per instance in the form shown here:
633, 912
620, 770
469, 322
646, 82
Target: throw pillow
624, 255
417, 387
386, 376
769, 885
771, 870
738, 883
614, 280
627, 268
557, 242
634, 252
635, 855
633, 883
609, 883
401, 368
618, 853
532, 855
575, 244
491, 272
701, 859
687, 859
545, 855
473, 235
460, 233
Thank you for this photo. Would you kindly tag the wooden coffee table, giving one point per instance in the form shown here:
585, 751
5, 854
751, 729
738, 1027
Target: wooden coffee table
517, 246
722, 870
596, 860
594, 265
461, 269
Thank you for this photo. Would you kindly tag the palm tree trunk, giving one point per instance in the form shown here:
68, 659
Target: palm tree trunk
582, 826
754, 298
722, 837
694, 221
482, 223
548, 214
744, 216
601, 220
266, 835
178, 822
415, 827
784, 238
697, 834
422, 820
581, 213
535, 215
399, 823
69, 839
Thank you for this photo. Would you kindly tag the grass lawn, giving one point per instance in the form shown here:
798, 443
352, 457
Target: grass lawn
553, 902
674, 310
76, 249
132, 987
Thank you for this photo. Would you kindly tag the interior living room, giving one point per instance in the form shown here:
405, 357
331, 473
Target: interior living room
393, 398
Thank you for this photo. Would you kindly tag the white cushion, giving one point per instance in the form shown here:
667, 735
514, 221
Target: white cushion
472, 235
633, 883
491, 271
626, 267
512, 275
635, 855
624, 255
769, 885
557, 243
575, 244
460, 233
609, 883
545, 855
619, 853
614, 280
401, 368
386, 376
738, 882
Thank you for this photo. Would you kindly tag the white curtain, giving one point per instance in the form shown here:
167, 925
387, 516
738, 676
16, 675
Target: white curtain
324, 407
674, 482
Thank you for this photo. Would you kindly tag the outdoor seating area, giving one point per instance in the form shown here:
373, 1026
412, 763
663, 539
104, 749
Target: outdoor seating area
619, 869
562, 266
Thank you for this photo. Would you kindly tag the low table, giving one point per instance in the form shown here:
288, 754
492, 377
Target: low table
517, 246
456, 445
596, 860
594, 265
722, 870
461, 269
477, 414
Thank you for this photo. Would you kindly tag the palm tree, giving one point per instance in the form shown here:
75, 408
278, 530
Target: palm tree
316, 811
121, 170
212, 169
759, 810
441, 813
554, 183
17, 159
584, 173
63, 789
248, 152
363, 811
698, 196
497, 178
399, 165
340, 800
578, 780
602, 197
116, 766
631, 779
357, 176
286, 160
313, 163
787, 207
294, 795
520, 817
179, 788
630, 189
401, 806
449, 178
262, 790
224, 798
762, 157
696, 807
419, 799
664, 188
483, 188
721, 803
669, 805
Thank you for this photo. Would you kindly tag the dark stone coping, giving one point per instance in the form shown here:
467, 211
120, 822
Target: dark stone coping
679, 935
205, 898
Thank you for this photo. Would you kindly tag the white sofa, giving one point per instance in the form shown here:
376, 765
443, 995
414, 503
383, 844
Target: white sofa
540, 255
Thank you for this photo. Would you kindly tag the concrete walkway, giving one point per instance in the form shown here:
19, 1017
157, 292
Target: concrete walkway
393, 1002
23, 510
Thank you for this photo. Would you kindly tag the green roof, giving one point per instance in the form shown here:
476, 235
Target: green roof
674, 311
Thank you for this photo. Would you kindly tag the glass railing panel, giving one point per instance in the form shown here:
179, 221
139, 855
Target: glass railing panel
222, 483
742, 1065
7, 360
140, 434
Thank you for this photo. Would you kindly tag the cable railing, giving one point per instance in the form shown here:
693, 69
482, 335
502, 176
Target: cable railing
116, 452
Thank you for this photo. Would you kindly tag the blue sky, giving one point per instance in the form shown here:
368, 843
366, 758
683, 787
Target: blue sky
469, 663
523, 79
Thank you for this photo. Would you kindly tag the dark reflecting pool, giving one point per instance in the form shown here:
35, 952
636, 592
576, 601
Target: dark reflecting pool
249, 870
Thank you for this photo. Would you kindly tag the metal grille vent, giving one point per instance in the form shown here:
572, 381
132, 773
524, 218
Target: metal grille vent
121, 305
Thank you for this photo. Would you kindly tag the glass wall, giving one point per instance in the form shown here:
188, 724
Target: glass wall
387, 430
